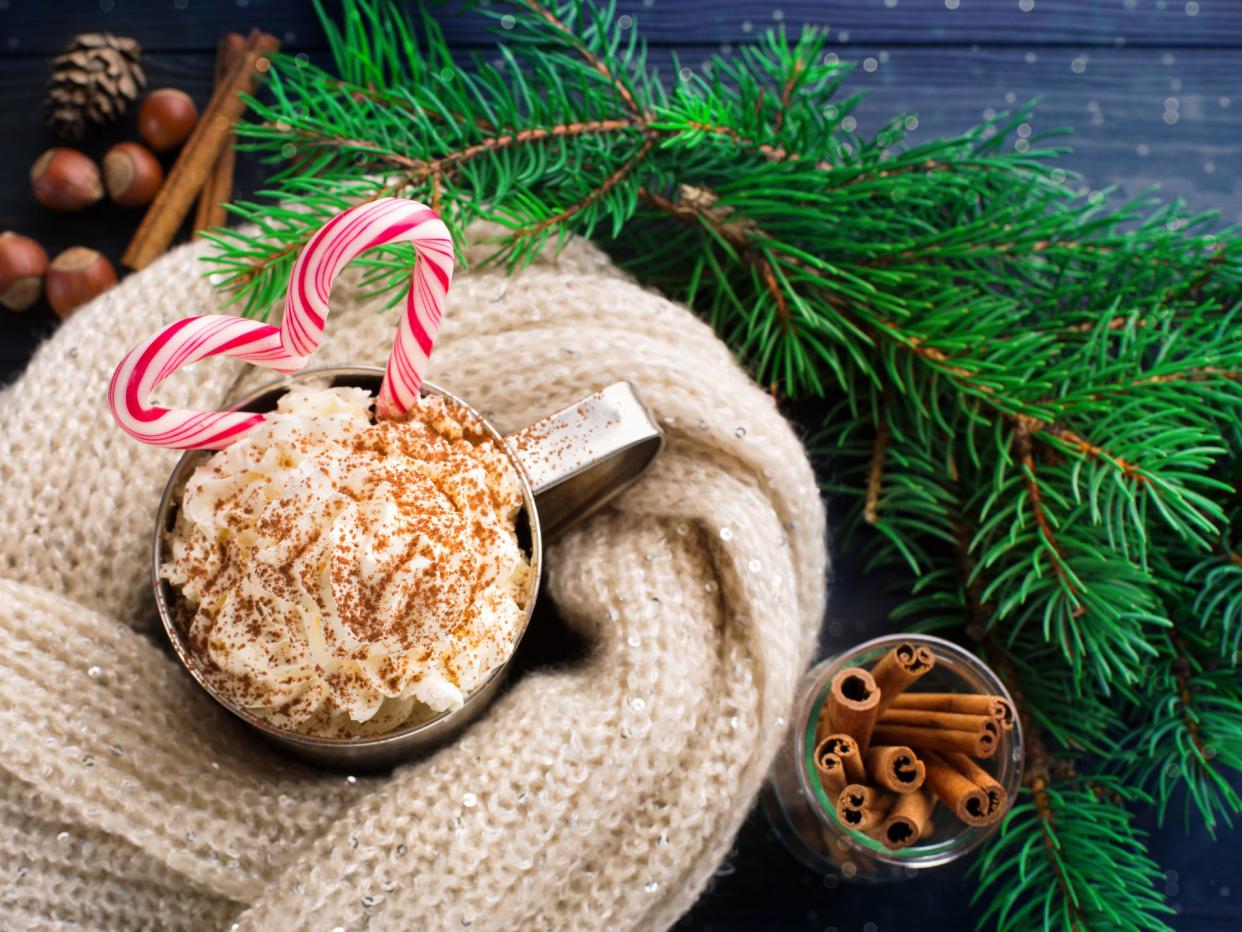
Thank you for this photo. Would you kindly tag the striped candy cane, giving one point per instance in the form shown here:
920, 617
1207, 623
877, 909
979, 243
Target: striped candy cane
344, 237
180, 344
289, 348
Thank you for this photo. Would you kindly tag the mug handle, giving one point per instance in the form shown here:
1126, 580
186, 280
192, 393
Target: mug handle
583, 456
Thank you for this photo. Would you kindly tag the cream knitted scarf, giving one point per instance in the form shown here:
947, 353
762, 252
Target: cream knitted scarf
597, 795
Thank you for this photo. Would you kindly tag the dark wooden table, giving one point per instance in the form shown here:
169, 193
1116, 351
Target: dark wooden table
1151, 88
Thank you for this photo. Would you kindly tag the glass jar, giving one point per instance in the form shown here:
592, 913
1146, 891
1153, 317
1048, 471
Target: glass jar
805, 818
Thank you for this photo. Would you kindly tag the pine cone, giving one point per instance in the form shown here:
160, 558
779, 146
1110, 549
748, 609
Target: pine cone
93, 81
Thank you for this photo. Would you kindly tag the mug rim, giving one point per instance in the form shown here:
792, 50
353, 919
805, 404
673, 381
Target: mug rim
175, 487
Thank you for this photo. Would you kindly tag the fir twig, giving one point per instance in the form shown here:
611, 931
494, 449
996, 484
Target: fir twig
1070, 858
1036, 402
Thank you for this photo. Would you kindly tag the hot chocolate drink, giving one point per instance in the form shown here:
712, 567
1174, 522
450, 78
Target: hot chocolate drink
342, 576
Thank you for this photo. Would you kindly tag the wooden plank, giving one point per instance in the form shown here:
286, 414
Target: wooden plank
1140, 117
28, 27
179, 25
923, 22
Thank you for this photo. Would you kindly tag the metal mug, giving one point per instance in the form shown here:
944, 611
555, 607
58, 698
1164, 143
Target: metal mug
570, 464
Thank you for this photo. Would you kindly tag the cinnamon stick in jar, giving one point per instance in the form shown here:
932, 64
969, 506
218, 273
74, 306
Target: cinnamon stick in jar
908, 820
846, 748
980, 743
853, 702
927, 718
900, 667
864, 820
895, 768
831, 774
862, 807
998, 799
965, 800
854, 796
996, 707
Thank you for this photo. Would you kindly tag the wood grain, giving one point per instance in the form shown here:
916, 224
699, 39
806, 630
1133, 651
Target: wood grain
162, 26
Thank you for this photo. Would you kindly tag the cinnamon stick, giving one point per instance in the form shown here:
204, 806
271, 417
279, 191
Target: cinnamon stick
189, 172
831, 774
218, 190
998, 799
862, 807
865, 820
965, 800
907, 820
975, 743
854, 796
929, 718
895, 768
846, 748
900, 667
997, 707
853, 701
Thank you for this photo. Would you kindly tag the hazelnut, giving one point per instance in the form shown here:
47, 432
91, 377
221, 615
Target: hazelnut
166, 118
22, 264
76, 276
132, 174
65, 179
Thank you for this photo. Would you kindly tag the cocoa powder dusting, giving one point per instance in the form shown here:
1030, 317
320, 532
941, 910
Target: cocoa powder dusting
376, 562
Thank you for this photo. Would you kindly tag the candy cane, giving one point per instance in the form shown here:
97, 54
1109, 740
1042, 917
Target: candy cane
180, 344
288, 348
344, 237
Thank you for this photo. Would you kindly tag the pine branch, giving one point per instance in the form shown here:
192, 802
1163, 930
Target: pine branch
1068, 857
568, 35
601, 190
1035, 397
695, 206
777, 269
770, 152
421, 169
1189, 733
1217, 579
1051, 860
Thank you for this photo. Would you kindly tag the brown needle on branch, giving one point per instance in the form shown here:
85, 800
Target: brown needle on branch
1022, 442
614, 179
588, 56
875, 473
696, 206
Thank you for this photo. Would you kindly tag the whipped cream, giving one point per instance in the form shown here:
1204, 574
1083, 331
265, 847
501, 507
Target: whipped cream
346, 577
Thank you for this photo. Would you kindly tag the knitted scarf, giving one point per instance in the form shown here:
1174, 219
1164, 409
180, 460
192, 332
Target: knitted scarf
600, 793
